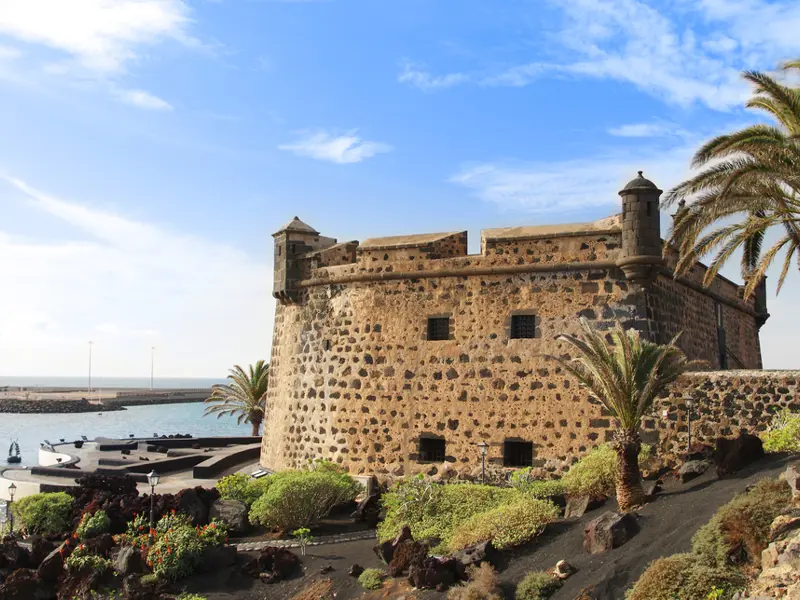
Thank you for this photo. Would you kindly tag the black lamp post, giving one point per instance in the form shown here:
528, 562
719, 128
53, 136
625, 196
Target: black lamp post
12, 489
484, 449
152, 479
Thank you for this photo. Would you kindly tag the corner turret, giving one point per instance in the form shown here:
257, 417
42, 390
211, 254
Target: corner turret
292, 241
641, 231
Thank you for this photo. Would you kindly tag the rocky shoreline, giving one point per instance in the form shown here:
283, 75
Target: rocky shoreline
82, 405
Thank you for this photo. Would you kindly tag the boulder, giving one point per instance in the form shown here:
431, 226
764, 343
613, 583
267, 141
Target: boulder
404, 554
731, 455
355, 570
434, 573
792, 476
272, 564
369, 505
577, 506
128, 561
217, 557
38, 549
14, 556
326, 569
608, 531
474, 555
692, 470
231, 512
24, 584
51, 568
385, 550
189, 503
563, 570
651, 488
783, 525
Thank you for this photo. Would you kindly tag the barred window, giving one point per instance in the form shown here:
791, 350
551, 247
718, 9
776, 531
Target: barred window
517, 454
439, 328
431, 449
523, 326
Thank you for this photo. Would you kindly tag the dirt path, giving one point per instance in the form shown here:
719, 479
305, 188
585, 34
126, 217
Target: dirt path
667, 526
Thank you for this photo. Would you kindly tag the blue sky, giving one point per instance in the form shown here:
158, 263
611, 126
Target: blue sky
152, 146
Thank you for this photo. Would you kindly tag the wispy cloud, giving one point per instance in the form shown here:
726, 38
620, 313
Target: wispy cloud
142, 99
417, 76
95, 40
654, 47
341, 149
647, 130
127, 285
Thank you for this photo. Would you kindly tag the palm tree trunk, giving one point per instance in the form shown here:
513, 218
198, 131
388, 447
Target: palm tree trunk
630, 492
256, 426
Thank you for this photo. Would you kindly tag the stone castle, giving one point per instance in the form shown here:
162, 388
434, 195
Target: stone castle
400, 352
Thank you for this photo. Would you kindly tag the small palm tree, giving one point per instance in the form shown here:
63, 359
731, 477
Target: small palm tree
751, 176
626, 374
243, 396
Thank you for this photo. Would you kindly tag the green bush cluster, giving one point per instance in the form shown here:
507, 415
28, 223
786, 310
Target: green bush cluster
371, 579
783, 434
242, 487
81, 560
507, 525
742, 524
296, 499
44, 513
686, 577
596, 473
537, 585
93, 525
523, 481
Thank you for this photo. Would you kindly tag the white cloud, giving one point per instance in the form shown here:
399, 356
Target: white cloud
127, 285
142, 99
9, 53
647, 130
416, 76
661, 53
558, 187
343, 149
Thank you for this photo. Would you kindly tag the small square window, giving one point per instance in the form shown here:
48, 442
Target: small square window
431, 450
438, 328
523, 326
517, 454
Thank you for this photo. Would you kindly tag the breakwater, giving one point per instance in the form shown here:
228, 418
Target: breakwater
71, 402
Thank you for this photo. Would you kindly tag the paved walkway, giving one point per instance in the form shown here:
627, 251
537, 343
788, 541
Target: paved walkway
325, 539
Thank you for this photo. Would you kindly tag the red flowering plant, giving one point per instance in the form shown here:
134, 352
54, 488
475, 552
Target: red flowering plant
176, 553
213, 534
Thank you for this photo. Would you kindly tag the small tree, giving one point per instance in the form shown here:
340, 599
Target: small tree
625, 374
244, 396
303, 536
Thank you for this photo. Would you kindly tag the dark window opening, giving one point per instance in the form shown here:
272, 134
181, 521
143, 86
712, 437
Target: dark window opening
649, 208
431, 450
517, 454
439, 328
279, 250
523, 326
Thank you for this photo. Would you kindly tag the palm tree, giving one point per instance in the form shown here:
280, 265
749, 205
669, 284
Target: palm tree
751, 176
243, 396
625, 374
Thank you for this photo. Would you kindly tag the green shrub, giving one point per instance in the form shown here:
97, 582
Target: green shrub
81, 560
537, 586
483, 585
434, 511
371, 579
536, 488
296, 499
188, 596
213, 534
242, 487
148, 579
783, 434
596, 473
742, 525
176, 553
44, 513
507, 525
686, 577
93, 525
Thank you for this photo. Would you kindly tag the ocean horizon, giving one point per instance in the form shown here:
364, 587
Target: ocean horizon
111, 382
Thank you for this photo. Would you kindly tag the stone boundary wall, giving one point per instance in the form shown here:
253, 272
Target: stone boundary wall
726, 403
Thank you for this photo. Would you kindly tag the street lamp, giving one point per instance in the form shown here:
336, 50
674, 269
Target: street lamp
484, 450
152, 479
12, 489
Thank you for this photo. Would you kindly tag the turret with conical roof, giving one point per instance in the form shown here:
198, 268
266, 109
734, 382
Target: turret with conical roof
641, 230
292, 241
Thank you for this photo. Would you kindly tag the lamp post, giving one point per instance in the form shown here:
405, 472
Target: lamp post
152, 364
12, 489
152, 479
484, 450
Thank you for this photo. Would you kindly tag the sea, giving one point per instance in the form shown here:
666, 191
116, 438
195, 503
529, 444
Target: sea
141, 421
